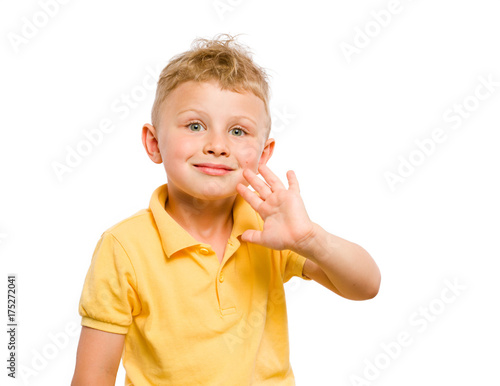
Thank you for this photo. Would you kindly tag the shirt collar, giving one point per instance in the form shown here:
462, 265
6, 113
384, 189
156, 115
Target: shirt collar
175, 238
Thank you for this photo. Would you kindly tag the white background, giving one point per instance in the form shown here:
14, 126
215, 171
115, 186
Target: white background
348, 119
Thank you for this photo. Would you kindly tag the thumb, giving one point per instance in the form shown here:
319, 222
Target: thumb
251, 236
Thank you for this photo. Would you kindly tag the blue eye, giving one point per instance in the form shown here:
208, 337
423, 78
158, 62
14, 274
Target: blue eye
237, 132
195, 126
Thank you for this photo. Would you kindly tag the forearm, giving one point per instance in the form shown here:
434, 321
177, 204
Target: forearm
349, 267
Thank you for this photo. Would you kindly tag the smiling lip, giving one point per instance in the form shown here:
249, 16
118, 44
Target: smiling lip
214, 169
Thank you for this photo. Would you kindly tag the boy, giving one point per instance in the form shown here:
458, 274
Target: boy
190, 291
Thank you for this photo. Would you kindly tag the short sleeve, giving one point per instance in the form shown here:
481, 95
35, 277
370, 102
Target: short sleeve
109, 297
294, 265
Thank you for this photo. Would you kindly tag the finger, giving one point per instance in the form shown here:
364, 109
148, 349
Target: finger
271, 178
293, 183
252, 236
249, 196
260, 186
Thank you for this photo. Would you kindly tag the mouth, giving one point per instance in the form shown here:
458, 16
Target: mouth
213, 169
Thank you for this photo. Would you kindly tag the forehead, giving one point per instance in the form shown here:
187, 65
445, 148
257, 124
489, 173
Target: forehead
209, 98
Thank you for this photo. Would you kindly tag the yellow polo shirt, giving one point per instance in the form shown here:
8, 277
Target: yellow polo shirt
188, 318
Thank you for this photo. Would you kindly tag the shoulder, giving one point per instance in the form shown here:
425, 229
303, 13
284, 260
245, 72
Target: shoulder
124, 241
134, 226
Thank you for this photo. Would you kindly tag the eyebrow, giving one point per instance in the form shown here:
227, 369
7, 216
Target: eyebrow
203, 113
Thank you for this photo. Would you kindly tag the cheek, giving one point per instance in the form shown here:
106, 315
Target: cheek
179, 148
249, 157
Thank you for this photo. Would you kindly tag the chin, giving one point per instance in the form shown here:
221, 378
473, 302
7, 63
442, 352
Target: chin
213, 190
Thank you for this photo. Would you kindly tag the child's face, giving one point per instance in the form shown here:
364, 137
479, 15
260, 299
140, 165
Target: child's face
207, 136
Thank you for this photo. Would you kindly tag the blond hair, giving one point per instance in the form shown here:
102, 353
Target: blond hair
220, 59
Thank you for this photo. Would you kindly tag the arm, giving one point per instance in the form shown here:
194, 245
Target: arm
97, 358
340, 265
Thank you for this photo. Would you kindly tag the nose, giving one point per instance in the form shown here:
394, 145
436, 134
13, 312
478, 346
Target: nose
216, 145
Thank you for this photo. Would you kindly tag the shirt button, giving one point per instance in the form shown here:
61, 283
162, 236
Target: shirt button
204, 251
221, 277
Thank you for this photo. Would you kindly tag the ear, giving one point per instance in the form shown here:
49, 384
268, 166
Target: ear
150, 142
267, 152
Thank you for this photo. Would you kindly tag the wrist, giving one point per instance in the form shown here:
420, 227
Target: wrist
305, 246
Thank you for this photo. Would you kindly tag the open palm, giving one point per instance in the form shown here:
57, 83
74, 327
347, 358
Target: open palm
286, 223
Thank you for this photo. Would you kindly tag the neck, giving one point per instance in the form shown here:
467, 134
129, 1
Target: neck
203, 219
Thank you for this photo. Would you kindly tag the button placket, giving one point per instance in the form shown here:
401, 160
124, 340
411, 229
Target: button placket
226, 305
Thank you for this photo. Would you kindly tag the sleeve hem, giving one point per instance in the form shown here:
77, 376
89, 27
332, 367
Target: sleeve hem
103, 326
301, 260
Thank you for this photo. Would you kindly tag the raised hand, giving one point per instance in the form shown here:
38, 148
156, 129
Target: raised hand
286, 223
